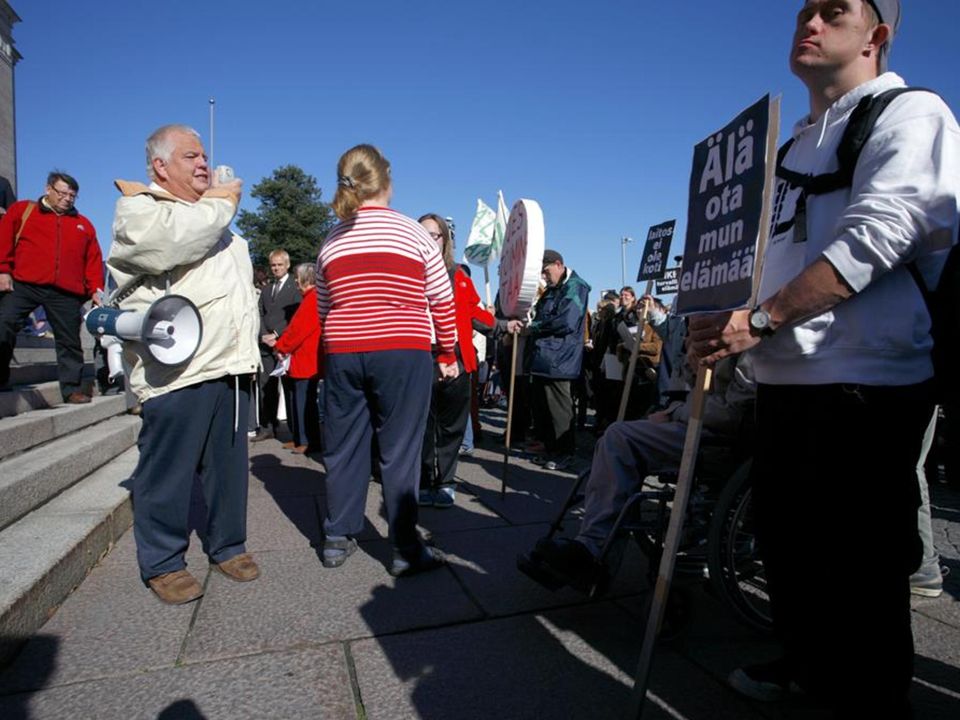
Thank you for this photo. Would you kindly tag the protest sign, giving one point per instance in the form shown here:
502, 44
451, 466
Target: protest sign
521, 259
656, 251
669, 283
728, 211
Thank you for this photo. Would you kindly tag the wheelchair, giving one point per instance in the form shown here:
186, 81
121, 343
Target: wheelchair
717, 542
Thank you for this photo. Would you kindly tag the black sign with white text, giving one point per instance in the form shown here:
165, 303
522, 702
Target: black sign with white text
727, 185
669, 283
656, 251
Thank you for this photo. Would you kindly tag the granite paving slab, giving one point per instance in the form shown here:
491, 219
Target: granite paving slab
283, 522
480, 671
110, 625
297, 601
278, 472
486, 563
574, 663
312, 684
533, 494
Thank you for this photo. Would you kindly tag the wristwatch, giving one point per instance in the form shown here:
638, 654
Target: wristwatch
760, 322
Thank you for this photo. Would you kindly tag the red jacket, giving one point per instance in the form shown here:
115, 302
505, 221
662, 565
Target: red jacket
57, 250
467, 306
301, 339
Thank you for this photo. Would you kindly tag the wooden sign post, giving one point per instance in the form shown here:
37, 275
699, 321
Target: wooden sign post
727, 226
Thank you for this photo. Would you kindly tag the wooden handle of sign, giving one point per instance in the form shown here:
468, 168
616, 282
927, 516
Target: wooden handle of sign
506, 439
632, 366
486, 284
672, 542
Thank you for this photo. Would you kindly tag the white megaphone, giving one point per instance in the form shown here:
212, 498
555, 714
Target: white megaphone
171, 327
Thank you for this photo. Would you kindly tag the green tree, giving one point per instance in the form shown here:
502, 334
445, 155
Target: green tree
291, 216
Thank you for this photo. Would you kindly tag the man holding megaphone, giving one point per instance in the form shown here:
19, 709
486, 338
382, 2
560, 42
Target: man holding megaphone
172, 238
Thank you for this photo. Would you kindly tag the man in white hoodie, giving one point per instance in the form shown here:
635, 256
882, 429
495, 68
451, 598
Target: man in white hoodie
842, 358
174, 236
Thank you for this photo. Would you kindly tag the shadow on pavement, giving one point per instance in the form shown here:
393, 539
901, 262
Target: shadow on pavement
43, 654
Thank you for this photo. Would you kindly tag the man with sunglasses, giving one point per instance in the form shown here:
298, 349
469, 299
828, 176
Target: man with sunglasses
49, 256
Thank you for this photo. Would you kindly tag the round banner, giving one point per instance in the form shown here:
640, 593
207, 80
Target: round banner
521, 259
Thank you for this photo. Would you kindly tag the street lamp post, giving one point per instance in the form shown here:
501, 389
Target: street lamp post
623, 259
212, 104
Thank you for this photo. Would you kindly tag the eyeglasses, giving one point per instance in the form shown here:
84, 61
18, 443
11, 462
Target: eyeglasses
71, 194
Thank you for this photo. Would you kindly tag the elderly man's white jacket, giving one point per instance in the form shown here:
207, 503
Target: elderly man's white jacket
189, 245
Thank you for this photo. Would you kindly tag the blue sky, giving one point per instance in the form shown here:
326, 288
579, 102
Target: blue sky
590, 108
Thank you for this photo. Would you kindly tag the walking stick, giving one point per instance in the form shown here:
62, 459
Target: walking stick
506, 449
631, 368
671, 544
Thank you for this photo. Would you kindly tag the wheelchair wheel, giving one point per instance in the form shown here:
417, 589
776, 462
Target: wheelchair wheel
735, 568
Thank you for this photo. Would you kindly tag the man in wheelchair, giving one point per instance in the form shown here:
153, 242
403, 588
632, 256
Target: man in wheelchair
624, 456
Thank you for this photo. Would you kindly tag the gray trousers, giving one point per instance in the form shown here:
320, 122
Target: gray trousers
627, 453
197, 432
930, 567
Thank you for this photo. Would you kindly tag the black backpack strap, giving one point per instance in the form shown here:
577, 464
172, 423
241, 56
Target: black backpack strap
855, 136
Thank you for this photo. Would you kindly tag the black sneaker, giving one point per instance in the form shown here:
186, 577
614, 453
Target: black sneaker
569, 561
766, 682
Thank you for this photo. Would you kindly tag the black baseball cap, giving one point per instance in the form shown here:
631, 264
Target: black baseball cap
550, 257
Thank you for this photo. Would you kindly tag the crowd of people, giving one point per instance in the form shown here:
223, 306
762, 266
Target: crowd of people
372, 351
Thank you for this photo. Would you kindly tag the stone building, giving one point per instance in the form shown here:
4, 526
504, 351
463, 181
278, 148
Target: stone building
8, 124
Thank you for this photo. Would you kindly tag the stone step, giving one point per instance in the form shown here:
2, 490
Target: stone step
31, 341
35, 427
47, 553
31, 355
23, 398
41, 372
30, 479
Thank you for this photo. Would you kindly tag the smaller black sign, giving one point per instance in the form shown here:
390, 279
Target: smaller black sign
669, 283
656, 251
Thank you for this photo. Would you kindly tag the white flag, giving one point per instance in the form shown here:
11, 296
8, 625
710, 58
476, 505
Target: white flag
500, 226
480, 242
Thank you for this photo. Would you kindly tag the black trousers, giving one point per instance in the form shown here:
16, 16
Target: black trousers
836, 494
270, 391
305, 418
553, 417
443, 435
64, 314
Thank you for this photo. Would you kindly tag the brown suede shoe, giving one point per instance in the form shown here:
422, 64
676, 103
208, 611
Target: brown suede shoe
288, 445
240, 567
176, 588
77, 398
300, 449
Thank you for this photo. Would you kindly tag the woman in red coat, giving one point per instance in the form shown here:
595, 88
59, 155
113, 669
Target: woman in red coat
450, 399
301, 341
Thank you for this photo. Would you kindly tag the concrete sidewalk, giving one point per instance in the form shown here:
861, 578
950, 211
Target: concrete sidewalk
474, 640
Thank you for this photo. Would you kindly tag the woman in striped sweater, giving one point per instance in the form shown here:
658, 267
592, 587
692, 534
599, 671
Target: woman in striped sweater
381, 285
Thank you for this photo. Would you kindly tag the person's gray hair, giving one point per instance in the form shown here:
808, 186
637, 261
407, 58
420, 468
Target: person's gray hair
306, 274
159, 144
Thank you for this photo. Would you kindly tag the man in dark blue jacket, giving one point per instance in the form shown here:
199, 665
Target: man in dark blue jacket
553, 357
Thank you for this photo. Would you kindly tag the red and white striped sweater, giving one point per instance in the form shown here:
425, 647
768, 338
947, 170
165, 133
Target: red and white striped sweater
380, 280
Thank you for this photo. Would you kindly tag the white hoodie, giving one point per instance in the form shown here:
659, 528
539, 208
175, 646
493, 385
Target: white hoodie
901, 206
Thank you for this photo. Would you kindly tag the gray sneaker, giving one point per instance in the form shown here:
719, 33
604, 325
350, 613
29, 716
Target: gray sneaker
928, 582
559, 463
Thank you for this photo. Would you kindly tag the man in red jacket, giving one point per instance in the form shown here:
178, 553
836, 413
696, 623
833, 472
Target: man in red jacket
49, 256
